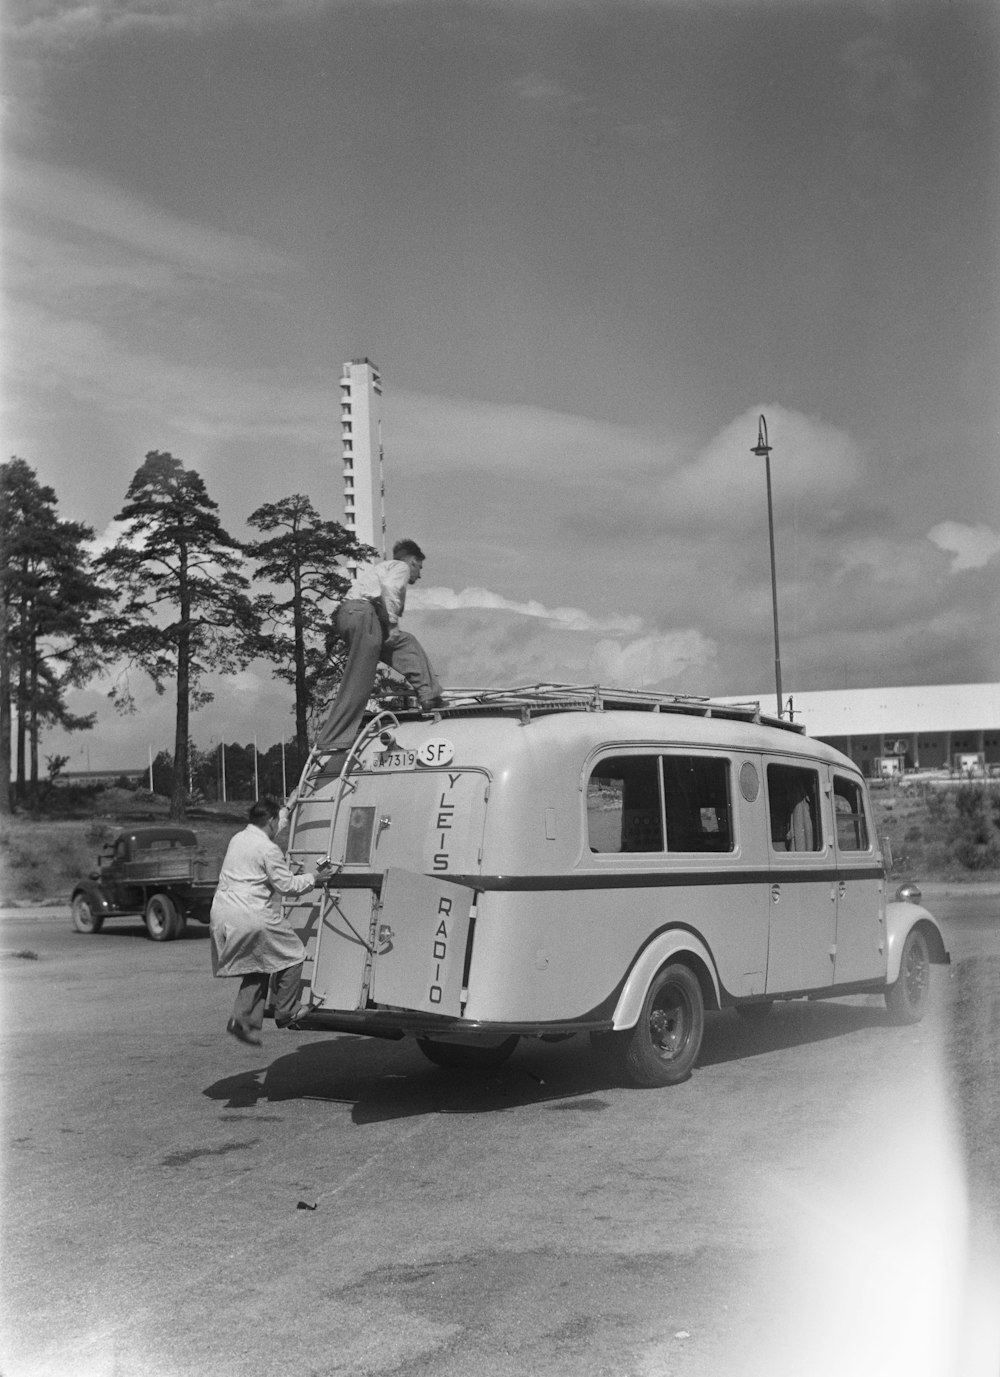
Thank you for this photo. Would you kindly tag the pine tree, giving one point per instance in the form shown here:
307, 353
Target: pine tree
302, 560
184, 609
51, 600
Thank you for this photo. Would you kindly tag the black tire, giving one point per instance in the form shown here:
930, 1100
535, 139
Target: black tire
84, 917
467, 1056
756, 1013
163, 922
906, 1000
664, 1045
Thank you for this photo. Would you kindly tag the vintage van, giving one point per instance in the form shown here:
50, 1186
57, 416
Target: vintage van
556, 860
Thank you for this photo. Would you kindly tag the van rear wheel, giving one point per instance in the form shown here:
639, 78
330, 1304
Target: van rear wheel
467, 1056
664, 1045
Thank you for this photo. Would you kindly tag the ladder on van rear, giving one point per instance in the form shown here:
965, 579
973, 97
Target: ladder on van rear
313, 820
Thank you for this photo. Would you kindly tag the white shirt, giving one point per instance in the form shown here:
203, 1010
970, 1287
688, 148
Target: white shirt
387, 582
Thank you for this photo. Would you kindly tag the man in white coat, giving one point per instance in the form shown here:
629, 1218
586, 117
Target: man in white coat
250, 938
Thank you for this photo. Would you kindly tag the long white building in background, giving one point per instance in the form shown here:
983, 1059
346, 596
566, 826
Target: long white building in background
361, 447
954, 727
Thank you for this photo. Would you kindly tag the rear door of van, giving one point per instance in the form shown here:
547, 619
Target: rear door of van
418, 824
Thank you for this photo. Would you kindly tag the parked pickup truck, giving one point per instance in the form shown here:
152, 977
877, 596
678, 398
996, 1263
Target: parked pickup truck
160, 872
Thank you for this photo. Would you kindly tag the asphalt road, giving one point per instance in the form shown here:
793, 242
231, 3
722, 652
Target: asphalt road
823, 1195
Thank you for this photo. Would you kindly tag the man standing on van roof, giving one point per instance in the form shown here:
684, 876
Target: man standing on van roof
367, 621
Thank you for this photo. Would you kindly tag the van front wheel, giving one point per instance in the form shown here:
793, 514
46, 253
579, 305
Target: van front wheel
906, 1000
664, 1045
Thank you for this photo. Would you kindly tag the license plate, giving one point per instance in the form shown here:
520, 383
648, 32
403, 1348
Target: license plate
395, 760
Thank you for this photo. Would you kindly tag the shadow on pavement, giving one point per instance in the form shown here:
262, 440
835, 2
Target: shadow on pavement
391, 1080
728, 1037
134, 927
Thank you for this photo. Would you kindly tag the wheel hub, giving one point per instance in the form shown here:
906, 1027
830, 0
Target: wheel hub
666, 1028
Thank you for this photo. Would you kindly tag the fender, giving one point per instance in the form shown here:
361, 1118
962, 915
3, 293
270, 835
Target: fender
95, 895
900, 918
651, 958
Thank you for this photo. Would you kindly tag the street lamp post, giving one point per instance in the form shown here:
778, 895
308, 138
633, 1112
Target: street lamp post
763, 448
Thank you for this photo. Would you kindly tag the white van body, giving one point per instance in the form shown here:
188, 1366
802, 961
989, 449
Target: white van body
554, 860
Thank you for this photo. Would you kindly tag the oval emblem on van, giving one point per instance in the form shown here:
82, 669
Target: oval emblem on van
437, 751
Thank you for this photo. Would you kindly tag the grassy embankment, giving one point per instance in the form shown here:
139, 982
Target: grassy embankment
42, 858
937, 834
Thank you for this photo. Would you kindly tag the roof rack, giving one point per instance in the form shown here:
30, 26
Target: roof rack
535, 699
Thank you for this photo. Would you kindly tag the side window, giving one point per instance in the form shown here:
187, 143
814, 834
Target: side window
623, 805
793, 798
849, 815
696, 790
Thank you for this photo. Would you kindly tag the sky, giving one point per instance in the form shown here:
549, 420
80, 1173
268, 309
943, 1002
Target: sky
588, 244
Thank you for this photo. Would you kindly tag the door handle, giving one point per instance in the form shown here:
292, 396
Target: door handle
383, 823
775, 893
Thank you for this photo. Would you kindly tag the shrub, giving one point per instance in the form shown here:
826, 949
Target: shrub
937, 805
973, 855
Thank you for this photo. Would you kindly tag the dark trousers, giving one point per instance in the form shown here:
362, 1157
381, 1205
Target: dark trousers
251, 997
368, 641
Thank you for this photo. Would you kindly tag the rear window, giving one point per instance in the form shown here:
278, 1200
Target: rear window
651, 803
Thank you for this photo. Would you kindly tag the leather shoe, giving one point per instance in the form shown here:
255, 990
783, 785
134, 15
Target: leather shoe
293, 1022
242, 1033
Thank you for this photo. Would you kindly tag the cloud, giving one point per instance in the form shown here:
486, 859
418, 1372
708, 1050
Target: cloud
197, 401
481, 638
647, 478
110, 536
490, 639
972, 546
63, 23
810, 461
566, 618
68, 202
650, 661
501, 437
537, 89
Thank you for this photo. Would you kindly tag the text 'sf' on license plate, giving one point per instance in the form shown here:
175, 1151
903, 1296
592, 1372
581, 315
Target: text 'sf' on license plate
438, 751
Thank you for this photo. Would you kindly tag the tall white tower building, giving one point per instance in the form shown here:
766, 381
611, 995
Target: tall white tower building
361, 441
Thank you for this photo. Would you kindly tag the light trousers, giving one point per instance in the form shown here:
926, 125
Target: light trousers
368, 642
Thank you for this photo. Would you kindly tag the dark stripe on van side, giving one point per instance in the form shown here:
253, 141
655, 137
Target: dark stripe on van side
660, 879
623, 879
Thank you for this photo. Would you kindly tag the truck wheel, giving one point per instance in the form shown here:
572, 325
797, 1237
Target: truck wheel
906, 1000
84, 917
664, 1044
459, 1056
163, 922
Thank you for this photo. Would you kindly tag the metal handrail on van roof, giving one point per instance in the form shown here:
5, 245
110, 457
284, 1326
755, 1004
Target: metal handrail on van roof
548, 698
